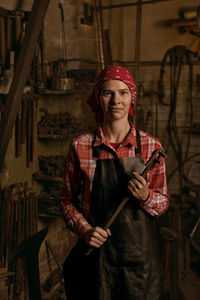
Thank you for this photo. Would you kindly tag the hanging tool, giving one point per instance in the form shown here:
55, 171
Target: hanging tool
42, 58
100, 33
88, 14
103, 37
2, 40
18, 126
177, 57
34, 130
137, 53
154, 159
8, 41
20, 75
63, 41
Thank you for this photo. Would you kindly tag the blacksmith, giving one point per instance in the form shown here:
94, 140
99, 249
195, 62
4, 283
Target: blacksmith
125, 263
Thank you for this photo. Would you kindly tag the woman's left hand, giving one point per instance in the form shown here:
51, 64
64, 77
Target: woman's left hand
138, 187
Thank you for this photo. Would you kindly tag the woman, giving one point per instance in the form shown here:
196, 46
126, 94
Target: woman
125, 261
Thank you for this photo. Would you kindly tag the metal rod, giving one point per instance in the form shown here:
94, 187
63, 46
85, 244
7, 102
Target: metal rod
48, 245
137, 49
99, 19
20, 75
138, 41
148, 63
128, 4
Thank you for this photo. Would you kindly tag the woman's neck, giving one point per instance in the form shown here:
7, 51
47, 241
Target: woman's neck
115, 132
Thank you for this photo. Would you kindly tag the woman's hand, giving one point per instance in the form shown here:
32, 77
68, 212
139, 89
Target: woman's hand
96, 236
138, 187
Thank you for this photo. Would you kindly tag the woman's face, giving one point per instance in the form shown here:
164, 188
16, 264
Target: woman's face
115, 100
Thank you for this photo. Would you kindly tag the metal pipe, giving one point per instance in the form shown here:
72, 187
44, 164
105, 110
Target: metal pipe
147, 63
138, 40
137, 49
49, 246
99, 19
129, 4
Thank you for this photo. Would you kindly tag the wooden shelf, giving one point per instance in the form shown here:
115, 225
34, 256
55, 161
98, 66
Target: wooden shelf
48, 216
61, 137
62, 92
40, 177
54, 137
194, 130
6, 274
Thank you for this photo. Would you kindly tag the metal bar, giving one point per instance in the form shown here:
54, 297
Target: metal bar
138, 41
49, 246
137, 49
20, 75
128, 4
129, 62
99, 20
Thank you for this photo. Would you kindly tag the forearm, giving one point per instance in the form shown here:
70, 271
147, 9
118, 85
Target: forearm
73, 213
158, 200
74, 220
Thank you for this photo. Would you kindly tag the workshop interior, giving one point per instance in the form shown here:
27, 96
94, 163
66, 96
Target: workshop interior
50, 54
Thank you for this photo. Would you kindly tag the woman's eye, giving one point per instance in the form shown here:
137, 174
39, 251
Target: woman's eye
106, 93
123, 93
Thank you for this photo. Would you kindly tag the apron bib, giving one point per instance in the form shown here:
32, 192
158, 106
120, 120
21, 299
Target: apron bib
127, 266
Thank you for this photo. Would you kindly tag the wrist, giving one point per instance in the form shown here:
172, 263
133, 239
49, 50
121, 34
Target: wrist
144, 200
84, 231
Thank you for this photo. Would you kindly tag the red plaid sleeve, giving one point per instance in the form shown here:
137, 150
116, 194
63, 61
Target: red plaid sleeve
71, 191
157, 202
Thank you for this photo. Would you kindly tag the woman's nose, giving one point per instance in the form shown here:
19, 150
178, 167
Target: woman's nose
115, 98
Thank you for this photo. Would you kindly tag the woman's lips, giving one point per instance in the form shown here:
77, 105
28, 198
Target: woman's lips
115, 109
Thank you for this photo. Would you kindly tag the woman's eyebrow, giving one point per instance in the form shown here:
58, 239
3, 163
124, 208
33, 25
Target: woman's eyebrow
123, 89
116, 90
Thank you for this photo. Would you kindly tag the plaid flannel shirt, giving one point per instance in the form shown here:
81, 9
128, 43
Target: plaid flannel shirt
80, 168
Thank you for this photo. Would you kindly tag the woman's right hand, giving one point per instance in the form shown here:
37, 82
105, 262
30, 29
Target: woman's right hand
96, 236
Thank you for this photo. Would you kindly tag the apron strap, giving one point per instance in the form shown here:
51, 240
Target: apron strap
138, 149
96, 150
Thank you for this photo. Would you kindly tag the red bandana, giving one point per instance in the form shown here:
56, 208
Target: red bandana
108, 73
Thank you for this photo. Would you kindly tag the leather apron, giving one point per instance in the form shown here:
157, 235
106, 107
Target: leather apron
127, 266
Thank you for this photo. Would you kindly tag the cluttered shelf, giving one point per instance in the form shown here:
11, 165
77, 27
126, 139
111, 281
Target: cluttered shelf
60, 81
41, 177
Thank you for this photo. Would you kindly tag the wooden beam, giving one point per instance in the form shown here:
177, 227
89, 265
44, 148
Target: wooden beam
13, 101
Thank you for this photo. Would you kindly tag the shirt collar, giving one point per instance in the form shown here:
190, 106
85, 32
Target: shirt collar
129, 140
